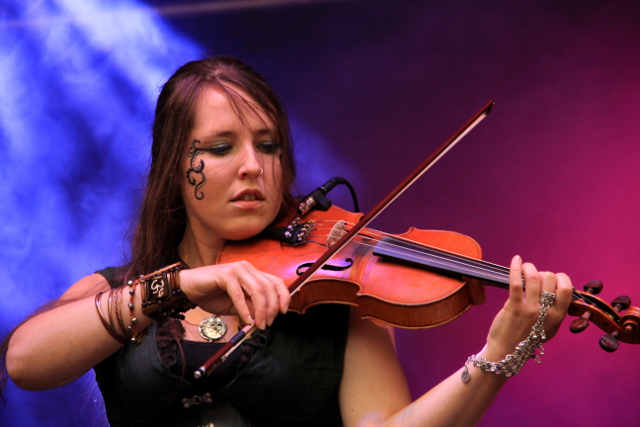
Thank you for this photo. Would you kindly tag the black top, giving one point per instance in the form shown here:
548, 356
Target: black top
292, 379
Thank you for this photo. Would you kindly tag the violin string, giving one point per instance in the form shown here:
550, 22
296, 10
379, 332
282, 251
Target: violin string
483, 264
466, 261
462, 261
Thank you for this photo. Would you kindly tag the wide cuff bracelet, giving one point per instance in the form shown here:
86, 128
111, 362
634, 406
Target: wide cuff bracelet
161, 294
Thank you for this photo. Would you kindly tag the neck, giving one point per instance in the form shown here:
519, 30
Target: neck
197, 251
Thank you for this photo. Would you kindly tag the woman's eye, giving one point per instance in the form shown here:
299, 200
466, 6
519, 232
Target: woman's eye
219, 150
269, 147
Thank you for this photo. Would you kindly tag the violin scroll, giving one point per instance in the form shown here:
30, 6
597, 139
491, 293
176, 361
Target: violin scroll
589, 308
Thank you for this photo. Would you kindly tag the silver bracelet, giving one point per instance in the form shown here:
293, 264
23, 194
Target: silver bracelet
513, 363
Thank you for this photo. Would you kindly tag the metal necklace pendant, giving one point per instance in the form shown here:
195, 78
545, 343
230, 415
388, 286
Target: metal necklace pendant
212, 328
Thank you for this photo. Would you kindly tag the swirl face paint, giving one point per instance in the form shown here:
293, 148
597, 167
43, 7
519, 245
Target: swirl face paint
195, 174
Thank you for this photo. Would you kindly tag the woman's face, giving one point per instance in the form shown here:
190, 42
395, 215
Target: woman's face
232, 182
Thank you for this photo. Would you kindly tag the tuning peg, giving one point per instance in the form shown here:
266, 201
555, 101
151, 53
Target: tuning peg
609, 342
621, 303
593, 287
581, 323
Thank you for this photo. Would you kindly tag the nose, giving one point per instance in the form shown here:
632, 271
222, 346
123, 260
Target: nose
250, 162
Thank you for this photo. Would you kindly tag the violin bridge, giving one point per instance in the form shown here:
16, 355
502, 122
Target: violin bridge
336, 233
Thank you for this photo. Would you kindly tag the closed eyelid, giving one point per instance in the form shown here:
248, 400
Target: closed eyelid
264, 142
219, 148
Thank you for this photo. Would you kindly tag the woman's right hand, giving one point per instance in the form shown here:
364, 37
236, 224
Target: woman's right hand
237, 288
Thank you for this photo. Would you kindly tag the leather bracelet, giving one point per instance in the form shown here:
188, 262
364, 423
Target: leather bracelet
118, 310
106, 323
161, 294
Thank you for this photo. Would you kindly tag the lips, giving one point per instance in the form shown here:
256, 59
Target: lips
248, 196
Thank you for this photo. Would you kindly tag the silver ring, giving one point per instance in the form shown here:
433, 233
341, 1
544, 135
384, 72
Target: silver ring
547, 298
261, 171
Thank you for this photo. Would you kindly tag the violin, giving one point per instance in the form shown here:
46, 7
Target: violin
415, 280
420, 279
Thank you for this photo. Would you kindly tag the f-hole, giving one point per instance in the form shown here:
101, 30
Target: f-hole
302, 267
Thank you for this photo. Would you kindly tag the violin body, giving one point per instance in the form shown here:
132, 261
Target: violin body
391, 292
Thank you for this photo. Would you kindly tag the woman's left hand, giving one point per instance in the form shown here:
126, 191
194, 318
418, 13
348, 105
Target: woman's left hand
514, 322
370, 360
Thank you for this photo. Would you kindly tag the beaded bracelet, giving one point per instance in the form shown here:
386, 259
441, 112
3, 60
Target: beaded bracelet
136, 336
114, 313
513, 363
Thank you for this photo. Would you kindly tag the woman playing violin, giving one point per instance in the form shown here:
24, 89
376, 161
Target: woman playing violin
222, 169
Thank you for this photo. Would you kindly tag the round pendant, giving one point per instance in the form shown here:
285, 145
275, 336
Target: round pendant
466, 376
212, 328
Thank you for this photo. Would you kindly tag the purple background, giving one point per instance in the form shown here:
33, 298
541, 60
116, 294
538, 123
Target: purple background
551, 174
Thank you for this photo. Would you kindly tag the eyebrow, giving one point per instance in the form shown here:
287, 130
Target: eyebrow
223, 134
264, 131
259, 132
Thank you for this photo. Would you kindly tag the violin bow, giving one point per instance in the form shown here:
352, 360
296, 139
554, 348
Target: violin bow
221, 355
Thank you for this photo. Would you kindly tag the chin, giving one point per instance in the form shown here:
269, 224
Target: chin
247, 226
241, 236
246, 232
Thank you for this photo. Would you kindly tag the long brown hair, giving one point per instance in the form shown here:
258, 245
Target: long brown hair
162, 219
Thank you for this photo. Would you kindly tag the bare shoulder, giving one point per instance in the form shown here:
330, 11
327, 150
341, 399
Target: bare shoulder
89, 285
